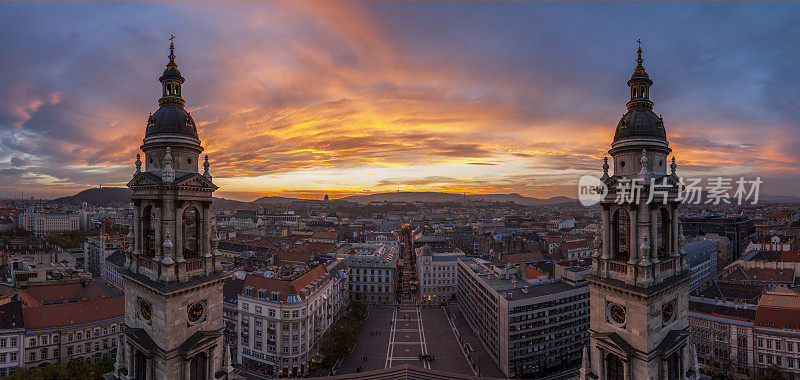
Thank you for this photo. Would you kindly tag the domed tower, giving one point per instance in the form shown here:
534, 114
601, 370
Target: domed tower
639, 279
173, 271
640, 128
171, 126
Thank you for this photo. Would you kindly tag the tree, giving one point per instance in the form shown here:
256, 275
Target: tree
73, 370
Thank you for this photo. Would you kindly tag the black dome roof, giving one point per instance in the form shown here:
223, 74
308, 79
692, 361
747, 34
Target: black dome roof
171, 119
171, 72
640, 123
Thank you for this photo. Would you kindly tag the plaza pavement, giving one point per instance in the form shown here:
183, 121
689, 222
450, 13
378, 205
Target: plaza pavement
413, 331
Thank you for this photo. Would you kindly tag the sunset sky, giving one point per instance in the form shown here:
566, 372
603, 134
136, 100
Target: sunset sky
307, 99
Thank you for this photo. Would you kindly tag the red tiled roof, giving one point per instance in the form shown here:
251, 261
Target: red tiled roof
50, 293
577, 244
73, 313
285, 287
790, 257
328, 235
531, 272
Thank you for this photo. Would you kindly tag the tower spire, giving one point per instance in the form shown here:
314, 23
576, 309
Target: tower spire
172, 50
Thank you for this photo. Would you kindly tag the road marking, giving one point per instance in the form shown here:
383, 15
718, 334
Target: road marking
389, 351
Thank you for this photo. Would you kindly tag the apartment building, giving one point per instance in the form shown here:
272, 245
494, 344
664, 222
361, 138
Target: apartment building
12, 331
281, 320
76, 320
373, 271
437, 273
43, 223
531, 324
701, 256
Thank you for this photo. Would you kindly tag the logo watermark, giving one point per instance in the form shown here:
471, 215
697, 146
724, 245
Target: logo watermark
716, 191
591, 190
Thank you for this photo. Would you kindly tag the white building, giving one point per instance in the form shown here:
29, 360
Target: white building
45, 223
437, 270
280, 321
373, 269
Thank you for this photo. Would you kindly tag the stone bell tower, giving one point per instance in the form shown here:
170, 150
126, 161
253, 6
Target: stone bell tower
638, 283
173, 275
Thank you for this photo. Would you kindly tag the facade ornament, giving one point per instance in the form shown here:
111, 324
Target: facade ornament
214, 242
644, 174
118, 364
228, 361
681, 239
167, 173
585, 365
138, 163
673, 166
206, 165
598, 243
167, 250
605, 169
644, 248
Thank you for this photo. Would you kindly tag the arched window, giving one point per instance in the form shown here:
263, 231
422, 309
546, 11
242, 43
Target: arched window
620, 225
191, 227
149, 231
198, 367
615, 370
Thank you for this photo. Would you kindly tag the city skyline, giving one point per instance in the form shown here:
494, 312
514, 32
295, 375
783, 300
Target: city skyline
305, 99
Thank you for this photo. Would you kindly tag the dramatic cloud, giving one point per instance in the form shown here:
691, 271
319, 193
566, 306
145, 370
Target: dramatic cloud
304, 99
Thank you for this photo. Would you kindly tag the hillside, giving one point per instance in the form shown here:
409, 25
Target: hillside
413, 196
99, 197
121, 196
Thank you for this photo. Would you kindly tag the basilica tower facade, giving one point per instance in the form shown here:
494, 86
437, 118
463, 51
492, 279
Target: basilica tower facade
639, 280
173, 274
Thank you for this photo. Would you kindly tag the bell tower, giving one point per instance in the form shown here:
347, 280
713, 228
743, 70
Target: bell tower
638, 283
173, 274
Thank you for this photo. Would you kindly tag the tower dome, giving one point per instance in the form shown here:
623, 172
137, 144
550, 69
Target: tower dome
640, 121
171, 118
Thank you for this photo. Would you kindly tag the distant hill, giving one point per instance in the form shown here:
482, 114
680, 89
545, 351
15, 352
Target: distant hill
274, 200
99, 197
421, 196
121, 196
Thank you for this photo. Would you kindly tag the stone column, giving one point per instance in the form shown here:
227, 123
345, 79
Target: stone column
664, 369
654, 235
168, 217
675, 226
137, 221
210, 363
633, 239
602, 364
605, 231
129, 355
179, 234
149, 370
186, 369
626, 370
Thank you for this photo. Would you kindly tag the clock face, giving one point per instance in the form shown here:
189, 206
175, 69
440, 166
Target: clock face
667, 311
617, 313
195, 311
145, 310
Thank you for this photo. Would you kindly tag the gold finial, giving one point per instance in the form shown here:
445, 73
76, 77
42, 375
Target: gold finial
171, 48
639, 60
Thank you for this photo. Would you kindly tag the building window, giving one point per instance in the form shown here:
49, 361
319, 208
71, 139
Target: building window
32, 342
32, 356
